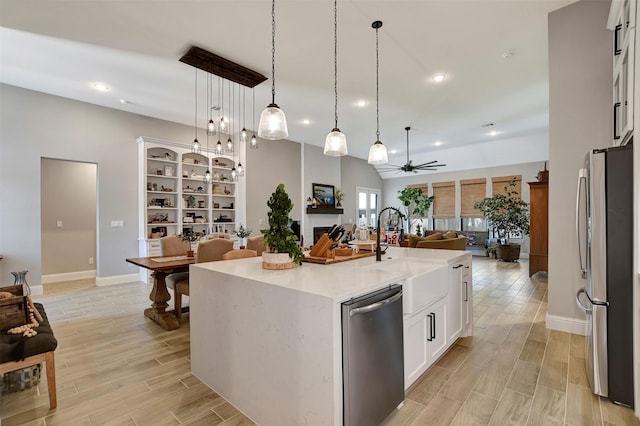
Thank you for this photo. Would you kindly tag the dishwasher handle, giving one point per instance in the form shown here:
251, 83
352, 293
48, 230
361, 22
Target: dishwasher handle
375, 306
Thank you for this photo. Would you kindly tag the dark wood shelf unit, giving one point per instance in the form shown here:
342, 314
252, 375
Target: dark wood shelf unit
539, 227
324, 210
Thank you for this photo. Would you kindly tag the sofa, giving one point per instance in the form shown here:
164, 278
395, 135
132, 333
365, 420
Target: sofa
437, 240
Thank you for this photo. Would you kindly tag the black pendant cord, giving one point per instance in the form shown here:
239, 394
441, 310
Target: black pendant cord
335, 60
377, 25
273, 52
253, 90
195, 96
407, 129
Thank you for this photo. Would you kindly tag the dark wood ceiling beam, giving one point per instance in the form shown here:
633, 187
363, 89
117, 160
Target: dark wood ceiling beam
229, 70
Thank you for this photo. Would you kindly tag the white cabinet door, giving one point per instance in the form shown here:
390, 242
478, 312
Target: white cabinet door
467, 300
454, 302
437, 336
415, 347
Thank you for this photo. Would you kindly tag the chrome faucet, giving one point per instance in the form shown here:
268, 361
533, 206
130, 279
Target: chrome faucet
378, 250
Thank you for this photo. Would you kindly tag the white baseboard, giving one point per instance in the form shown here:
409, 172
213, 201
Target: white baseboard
68, 276
36, 290
117, 279
566, 324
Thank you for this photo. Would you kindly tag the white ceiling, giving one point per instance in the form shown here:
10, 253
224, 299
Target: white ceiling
61, 47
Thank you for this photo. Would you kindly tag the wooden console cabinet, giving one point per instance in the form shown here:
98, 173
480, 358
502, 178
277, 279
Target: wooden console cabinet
539, 227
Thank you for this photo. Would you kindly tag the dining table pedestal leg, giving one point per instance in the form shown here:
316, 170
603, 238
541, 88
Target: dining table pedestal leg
158, 310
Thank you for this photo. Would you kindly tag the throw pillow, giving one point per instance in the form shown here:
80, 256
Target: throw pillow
451, 234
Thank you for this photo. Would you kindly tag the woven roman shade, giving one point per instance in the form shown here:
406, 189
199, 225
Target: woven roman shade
471, 191
444, 201
423, 186
500, 182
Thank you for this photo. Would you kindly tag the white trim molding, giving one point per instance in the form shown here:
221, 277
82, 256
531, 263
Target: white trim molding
117, 279
68, 276
566, 324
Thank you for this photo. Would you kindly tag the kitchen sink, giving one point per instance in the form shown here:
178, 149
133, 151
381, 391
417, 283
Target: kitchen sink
424, 282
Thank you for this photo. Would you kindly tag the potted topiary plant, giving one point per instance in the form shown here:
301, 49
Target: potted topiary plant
415, 203
189, 236
507, 214
242, 233
339, 196
283, 251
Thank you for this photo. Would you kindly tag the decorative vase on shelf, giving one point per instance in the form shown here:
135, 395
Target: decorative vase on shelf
20, 278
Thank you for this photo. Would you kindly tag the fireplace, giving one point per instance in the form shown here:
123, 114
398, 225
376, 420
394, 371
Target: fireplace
318, 231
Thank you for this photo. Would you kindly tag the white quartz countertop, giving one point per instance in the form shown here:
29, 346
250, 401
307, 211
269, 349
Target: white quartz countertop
344, 280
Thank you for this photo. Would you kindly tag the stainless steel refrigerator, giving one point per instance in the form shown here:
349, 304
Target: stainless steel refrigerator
604, 227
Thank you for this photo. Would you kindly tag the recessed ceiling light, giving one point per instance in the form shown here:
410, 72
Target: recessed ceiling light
101, 87
361, 103
306, 121
124, 102
438, 77
493, 133
508, 54
437, 143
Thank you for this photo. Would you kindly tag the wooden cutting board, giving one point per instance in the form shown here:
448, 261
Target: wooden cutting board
325, 261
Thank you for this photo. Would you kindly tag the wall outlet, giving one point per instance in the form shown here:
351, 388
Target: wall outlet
59, 224
117, 223
91, 261
261, 221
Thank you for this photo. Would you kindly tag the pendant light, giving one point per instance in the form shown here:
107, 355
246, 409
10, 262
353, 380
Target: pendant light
336, 143
229, 148
273, 123
243, 133
218, 149
211, 126
377, 152
195, 145
207, 174
253, 144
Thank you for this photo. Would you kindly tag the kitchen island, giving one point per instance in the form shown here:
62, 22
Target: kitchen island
270, 341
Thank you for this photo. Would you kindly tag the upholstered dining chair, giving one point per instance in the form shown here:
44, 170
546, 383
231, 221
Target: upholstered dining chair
173, 245
239, 254
257, 244
208, 251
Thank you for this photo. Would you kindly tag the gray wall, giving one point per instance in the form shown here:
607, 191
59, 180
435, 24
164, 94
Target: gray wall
580, 118
275, 162
68, 195
356, 172
35, 125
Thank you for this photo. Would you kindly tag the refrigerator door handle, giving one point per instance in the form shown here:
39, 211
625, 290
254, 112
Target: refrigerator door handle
582, 177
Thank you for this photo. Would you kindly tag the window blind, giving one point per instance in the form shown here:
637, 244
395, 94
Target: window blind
471, 191
499, 183
444, 201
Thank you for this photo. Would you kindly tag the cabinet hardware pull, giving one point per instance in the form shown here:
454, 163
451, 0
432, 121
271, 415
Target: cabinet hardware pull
458, 266
434, 326
466, 291
430, 338
616, 48
615, 120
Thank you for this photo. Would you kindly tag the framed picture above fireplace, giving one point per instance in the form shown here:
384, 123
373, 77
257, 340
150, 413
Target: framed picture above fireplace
324, 195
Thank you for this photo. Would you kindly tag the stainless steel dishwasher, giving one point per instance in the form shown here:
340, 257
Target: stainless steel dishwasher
372, 356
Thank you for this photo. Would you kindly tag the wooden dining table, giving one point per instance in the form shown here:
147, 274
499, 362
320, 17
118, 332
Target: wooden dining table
161, 267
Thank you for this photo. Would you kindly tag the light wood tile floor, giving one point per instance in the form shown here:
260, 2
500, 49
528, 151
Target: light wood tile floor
116, 367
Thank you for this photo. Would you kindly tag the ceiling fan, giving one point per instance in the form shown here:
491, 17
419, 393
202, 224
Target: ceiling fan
408, 166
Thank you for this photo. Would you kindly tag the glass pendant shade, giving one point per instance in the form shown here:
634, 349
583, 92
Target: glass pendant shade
234, 174
273, 123
254, 142
378, 153
196, 148
216, 176
240, 170
211, 127
229, 145
207, 177
243, 135
219, 149
336, 144
223, 124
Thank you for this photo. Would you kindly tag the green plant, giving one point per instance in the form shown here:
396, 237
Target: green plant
415, 204
339, 196
242, 232
188, 235
506, 213
280, 238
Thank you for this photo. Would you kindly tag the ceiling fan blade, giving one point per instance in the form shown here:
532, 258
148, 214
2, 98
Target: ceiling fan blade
430, 162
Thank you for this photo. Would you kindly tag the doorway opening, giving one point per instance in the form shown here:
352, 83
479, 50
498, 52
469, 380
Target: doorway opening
68, 220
